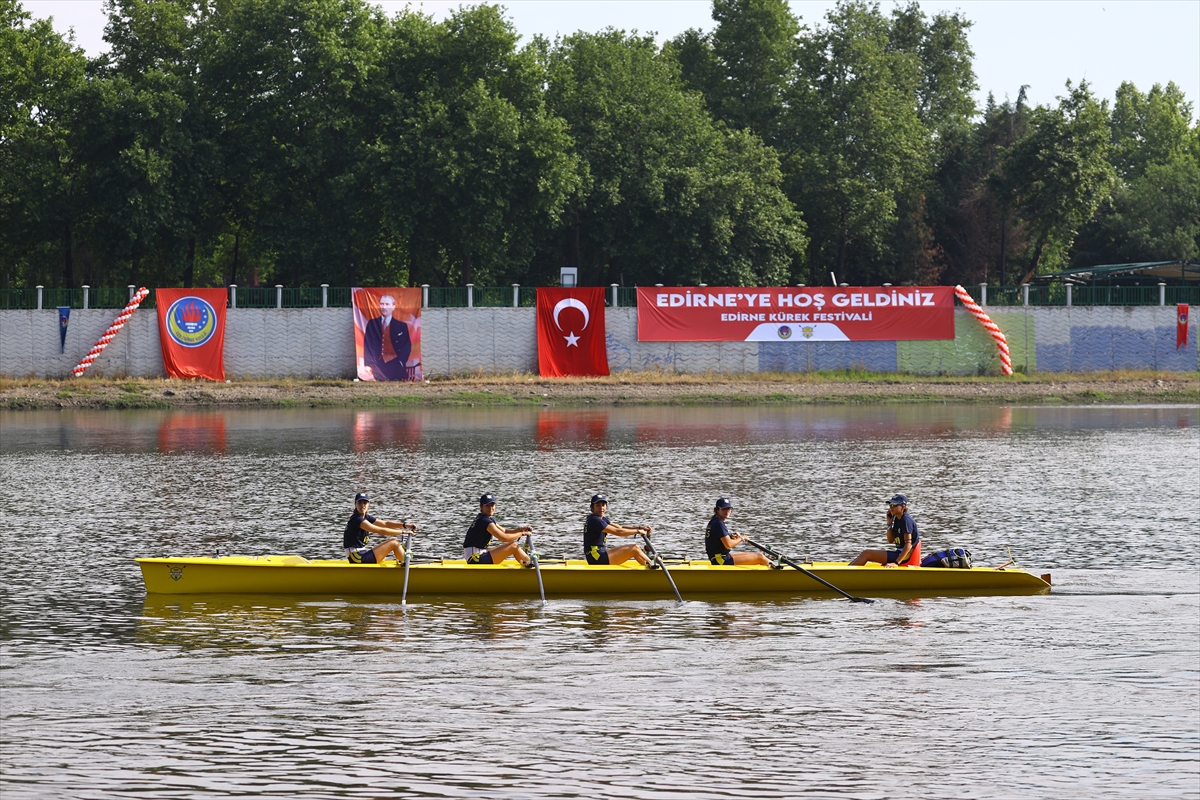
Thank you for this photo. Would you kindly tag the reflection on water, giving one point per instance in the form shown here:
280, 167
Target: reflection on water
107, 692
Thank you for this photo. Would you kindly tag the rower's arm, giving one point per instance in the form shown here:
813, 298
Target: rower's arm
507, 535
733, 540
621, 530
386, 526
906, 551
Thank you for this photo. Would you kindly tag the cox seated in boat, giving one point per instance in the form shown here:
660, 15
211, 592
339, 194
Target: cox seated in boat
354, 540
481, 532
596, 531
718, 541
902, 532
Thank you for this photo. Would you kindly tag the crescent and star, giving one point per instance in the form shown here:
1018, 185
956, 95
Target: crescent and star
571, 302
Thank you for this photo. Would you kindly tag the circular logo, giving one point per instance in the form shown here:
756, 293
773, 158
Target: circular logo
1183, 319
784, 332
191, 321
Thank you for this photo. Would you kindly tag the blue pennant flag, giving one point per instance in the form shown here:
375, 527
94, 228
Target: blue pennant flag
64, 314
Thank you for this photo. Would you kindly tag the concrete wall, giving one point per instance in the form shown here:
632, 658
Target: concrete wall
319, 342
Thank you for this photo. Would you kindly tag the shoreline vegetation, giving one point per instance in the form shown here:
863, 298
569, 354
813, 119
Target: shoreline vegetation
525, 390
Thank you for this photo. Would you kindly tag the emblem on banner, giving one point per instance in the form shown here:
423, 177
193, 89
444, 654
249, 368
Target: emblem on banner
807, 331
191, 321
784, 332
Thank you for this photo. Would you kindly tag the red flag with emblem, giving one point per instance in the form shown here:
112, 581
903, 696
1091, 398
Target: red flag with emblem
1181, 325
571, 332
191, 330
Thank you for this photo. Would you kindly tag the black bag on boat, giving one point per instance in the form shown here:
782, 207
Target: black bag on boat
954, 558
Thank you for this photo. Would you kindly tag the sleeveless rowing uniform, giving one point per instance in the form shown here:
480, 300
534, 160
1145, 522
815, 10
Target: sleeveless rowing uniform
477, 539
594, 548
899, 527
718, 553
354, 540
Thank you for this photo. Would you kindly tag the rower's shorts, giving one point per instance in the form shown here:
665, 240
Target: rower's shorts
480, 557
721, 560
596, 555
914, 558
363, 555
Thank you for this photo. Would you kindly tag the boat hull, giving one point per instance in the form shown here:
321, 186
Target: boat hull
295, 575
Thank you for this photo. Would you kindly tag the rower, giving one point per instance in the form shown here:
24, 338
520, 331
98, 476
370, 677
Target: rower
596, 530
354, 540
479, 536
902, 532
718, 541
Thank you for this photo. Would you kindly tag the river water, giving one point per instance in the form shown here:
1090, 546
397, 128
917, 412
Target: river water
1092, 691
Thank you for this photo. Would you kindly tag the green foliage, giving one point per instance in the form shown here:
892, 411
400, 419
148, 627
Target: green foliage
666, 195
319, 141
1058, 173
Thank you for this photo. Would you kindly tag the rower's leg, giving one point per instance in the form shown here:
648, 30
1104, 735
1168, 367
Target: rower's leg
503, 551
870, 557
390, 546
750, 558
623, 552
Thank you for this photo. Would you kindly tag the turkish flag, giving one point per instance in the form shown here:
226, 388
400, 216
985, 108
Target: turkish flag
571, 332
191, 330
1181, 325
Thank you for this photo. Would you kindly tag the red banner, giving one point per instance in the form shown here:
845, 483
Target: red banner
191, 331
783, 314
1181, 325
571, 332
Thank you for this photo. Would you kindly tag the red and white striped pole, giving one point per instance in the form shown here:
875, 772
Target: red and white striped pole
991, 327
112, 331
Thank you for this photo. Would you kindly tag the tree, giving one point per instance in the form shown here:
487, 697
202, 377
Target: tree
755, 45
41, 76
667, 195
860, 143
1152, 214
1059, 173
289, 84
475, 166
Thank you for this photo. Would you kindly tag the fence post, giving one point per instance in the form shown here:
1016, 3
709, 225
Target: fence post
233, 295
279, 295
1025, 293
324, 295
85, 296
1162, 293
470, 295
1069, 288
424, 295
516, 295
983, 294
39, 288
616, 300
132, 289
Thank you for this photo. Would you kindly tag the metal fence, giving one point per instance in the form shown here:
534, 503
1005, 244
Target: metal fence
526, 296
1072, 295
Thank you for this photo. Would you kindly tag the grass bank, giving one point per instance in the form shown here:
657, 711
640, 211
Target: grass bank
647, 388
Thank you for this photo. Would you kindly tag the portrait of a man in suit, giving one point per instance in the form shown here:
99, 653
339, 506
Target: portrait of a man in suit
387, 344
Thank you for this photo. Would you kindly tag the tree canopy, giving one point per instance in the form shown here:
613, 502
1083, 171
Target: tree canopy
321, 141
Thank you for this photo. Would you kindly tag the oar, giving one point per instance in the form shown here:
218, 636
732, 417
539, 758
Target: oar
536, 566
785, 560
407, 563
656, 557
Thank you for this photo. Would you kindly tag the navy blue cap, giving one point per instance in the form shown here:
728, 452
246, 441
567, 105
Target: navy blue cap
599, 498
362, 496
723, 502
898, 500
486, 499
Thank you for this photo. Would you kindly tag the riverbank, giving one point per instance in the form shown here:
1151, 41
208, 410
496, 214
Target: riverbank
635, 388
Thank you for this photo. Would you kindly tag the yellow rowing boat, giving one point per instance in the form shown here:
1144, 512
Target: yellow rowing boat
563, 578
